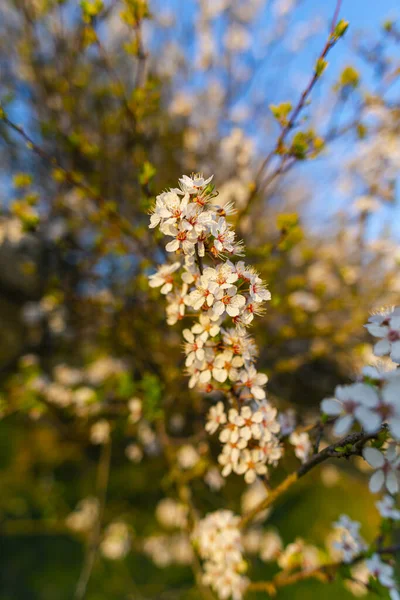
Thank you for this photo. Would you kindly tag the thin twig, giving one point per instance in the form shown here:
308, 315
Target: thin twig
93, 545
331, 41
323, 572
72, 178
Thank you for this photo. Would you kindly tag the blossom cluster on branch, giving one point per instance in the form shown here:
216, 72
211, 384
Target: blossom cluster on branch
222, 294
222, 297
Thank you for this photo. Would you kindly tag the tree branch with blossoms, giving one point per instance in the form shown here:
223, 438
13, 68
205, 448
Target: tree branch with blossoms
210, 283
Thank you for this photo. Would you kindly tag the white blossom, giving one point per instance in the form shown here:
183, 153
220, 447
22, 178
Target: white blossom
388, 468
215, 418
386, 325
254, 382
302, 445
387, 509
349, 543
163, 277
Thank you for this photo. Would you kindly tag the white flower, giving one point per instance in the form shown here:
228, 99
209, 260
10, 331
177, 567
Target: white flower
249, 423
194, 184
216, 417
386, 325
251, 465
171, 514
381, 570
183, 239
224, 236
163, 277
228, 300
351, 402
222, 277
207, 366
231, 430
135, 407
176, 305
270, 546
349, 542
85, 514
271, 449
389, 406
254, 382
213, 479
116, 541
241, 344
187, 456
169, 208
258, 291
198, 220
387, 509
226, 366
205, 328
269, 424
201, 295
134, 453
387, 465
100, 432
193, 347
220, 545
302, 445
287, 421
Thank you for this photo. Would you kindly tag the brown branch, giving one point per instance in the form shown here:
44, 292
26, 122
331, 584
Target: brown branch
323, 572
72, 178
356, 440
93, 545
199, 260
258, 186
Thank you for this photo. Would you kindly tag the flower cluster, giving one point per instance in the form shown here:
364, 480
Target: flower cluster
349, 543
384, 573
219, 544
224, 296
249, 437
351, 546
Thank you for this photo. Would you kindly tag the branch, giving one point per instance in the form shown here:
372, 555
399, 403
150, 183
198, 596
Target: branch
93, 545
72, 178
199, 260
323, 572
356, 440
330, 42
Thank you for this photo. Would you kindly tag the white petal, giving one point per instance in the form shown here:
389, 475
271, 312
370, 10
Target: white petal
172, 246
188, 335
370, 420
232, 310
258, 392
376, 481
343, 425
220, 375
394, 425
250, 477
392, 483
382, 348
200, 354
330, 406
374, 457
395, 353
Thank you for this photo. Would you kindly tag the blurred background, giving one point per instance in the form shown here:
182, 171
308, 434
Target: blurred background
104, 105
